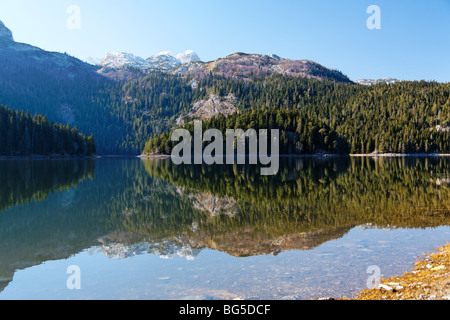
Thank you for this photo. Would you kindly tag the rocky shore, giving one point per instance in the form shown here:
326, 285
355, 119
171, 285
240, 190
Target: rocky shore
429, 280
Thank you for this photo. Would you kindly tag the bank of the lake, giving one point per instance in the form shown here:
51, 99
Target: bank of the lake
429, 280
397, 155
318, 155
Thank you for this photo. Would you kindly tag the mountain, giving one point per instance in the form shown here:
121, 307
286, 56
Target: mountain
62, 88
188, 57
121, 115
242, 66
319, 109
371, 82
163, 61
119, 60
125, 66
5, 34
93, 61
22, 56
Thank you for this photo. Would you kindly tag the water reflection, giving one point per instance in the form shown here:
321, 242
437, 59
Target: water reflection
311, 201
51, 210
35, 231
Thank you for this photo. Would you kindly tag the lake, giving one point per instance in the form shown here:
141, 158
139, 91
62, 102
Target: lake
148, 229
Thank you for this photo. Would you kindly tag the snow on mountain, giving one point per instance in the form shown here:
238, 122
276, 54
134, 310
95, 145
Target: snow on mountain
166, 249
125, 66
188, 57
122, 60
163, 61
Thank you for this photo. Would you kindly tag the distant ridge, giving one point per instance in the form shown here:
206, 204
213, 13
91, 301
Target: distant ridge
120, 65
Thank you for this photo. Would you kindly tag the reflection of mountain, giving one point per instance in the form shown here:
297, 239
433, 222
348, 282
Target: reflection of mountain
245, 244
115, 246
240, 244
152, 206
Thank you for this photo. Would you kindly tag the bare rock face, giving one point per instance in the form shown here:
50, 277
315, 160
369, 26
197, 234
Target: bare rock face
211, 108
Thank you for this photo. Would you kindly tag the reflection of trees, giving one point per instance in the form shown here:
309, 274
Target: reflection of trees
41, 230
26, 181
311, 195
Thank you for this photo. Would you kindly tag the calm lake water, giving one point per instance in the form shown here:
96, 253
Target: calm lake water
147, 229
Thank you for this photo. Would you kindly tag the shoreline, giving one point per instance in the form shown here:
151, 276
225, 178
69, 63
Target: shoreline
398, 155
164, 157
428, 280
47, 157
330, 155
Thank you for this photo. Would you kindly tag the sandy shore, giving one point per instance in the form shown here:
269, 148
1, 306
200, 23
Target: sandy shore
429, 280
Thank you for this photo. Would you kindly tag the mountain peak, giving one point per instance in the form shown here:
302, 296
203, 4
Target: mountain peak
5, 33
115, 63
188, 57
115, 60
244, 66
165, 53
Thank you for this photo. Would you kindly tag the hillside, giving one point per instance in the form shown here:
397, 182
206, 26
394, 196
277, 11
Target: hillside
243, 66
63, 88
325, 117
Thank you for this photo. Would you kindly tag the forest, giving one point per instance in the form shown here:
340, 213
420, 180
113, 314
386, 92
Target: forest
330, 117
26, 135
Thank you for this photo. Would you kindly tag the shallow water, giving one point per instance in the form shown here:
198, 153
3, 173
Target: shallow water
146, 229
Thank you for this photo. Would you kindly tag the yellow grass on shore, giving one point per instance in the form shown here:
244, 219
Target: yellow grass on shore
429, 280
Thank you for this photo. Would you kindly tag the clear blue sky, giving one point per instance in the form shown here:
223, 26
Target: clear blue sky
413, 43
